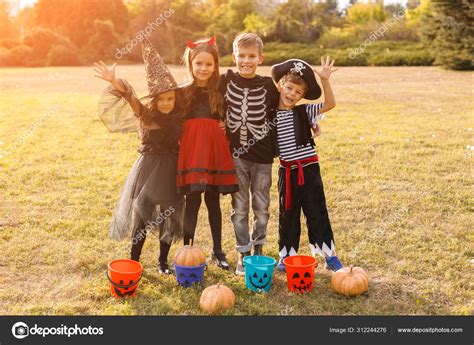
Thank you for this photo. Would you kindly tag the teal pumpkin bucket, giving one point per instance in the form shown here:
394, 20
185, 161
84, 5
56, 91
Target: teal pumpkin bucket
259, 272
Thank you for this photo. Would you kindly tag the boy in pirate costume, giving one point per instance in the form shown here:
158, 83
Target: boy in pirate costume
250, 101
300, 186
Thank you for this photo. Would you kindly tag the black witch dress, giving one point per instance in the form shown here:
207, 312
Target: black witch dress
149, 198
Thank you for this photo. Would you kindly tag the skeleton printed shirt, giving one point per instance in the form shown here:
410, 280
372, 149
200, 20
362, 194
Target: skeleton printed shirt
250, 116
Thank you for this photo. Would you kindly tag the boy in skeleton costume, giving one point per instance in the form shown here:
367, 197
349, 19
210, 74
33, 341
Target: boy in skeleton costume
300, 186
250, 102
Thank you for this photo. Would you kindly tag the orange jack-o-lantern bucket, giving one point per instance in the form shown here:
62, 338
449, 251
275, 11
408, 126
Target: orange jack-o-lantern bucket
300, 272
124, 276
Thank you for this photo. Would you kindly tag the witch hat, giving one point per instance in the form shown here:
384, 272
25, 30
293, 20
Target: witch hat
158, 76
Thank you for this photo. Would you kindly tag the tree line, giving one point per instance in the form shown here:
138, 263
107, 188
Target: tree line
75, 32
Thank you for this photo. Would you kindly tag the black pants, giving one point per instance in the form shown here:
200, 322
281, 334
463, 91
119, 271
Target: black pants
309, 198
193, 203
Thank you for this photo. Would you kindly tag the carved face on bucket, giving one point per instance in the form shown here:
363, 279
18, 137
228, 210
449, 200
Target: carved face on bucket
128, 291
187, 281
259, 280
301, 282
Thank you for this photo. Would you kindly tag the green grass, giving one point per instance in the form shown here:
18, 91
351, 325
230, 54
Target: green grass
397, 174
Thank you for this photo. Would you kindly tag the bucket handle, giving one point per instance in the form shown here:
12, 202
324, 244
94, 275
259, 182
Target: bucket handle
120, 286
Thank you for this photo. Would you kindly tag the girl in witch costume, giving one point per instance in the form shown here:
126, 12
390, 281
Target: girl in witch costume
149, 200
205, 163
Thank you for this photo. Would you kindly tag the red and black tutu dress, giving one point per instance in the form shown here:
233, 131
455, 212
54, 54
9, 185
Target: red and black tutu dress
205, 161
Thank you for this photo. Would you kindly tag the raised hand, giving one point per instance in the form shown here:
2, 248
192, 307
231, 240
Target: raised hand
326, 68
104, 72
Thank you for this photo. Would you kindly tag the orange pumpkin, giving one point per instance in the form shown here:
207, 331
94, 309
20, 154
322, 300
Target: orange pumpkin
350, 281
190, 255
217, 298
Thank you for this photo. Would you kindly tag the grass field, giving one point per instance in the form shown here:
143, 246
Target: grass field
396, 162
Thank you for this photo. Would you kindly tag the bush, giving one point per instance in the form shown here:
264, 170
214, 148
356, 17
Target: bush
337, 37
226, 61
9, 43
103, 44
60, 55
41, 40
22, 55
344, 57
363, 13
402, 58
6, 58
379, 53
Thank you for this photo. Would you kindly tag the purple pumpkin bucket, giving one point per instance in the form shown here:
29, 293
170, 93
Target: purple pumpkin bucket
189, 275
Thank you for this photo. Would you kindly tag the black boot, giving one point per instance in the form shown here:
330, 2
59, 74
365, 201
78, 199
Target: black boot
219, 259
163, 267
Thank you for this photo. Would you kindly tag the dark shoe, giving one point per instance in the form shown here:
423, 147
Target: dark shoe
163, 268
258, 249
240, 268
220, 260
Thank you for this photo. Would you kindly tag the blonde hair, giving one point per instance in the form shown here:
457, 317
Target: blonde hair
248, 39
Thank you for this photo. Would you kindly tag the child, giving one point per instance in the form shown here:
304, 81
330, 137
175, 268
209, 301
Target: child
299, 179
204, 164
152, 181
250, 101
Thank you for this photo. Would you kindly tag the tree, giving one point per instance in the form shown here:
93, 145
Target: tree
364, 13
449, 30
102, 45
303, 20
6, 25
41, 40
75, 18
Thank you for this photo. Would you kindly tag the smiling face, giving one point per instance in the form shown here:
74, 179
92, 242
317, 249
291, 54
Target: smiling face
203, 65
290, 94
247, 59
125, 291
189, 280
302, 281
166, 101
259, 280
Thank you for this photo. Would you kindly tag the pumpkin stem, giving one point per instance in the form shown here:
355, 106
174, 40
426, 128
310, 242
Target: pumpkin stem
350, 271
190, 242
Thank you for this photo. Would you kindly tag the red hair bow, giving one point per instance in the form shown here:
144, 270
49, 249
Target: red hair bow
193, 45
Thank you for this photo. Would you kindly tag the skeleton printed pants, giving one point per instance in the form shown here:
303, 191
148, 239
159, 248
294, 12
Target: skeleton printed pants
308, 197
255, 179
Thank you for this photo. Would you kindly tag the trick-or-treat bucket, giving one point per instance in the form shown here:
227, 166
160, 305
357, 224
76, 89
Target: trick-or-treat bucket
258, 272
124, 276
300, 272
189, 275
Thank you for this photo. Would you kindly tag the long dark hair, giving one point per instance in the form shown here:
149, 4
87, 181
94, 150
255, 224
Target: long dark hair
216, 101
152, 114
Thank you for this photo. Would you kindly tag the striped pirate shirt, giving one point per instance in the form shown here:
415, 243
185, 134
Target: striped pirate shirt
286, 134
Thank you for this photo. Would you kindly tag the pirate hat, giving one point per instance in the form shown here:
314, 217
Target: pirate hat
158, 76
301, 68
